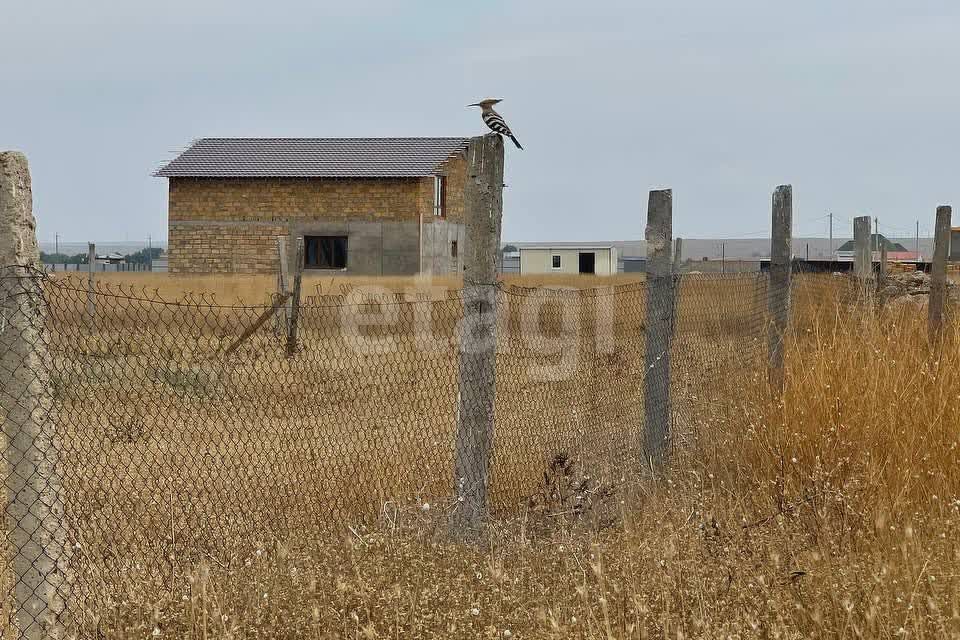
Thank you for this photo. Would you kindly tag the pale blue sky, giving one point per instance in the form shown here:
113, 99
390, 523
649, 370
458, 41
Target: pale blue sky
854, 102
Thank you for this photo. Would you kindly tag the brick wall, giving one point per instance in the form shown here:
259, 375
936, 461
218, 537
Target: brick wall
231, 225
211, 247
455, 169
270, 199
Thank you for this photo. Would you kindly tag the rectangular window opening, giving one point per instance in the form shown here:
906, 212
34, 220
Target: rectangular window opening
556, 262
453, 249
325, 252
440, 196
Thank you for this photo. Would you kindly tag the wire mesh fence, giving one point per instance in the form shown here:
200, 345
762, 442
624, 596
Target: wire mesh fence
142, 434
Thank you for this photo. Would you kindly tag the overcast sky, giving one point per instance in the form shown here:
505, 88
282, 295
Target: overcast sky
856, 103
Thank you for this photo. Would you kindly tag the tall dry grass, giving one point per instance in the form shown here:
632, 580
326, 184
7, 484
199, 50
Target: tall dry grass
830, 512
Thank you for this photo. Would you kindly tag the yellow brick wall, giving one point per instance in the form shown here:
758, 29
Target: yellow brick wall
223, 248
284, 198
456, 171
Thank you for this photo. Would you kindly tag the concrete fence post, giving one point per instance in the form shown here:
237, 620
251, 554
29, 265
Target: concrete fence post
37, 543
292, 337
862, 254
473, 447
659, 328
283, 286
91, 284
938, 273
778, 294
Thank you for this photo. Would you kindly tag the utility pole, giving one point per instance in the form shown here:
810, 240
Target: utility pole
149, 252
876, 233
56, 242
723, 257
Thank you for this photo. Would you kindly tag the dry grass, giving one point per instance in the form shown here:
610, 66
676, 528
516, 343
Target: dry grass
254, 289
832, 513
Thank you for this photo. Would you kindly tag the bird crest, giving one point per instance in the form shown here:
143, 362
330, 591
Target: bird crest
486, 103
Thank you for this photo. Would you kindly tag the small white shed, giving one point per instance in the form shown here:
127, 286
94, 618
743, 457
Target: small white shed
568, 259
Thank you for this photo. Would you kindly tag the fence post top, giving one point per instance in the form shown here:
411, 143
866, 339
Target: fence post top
13, 157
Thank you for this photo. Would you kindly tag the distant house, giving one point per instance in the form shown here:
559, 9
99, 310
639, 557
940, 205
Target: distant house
367, 206
895, 250
111, 258
568, 258
510, 262
633, 264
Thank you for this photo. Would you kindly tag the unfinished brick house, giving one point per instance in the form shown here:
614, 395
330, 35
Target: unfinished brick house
364, 206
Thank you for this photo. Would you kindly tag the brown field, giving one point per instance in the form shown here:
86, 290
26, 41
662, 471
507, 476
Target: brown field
264, 497
253, 289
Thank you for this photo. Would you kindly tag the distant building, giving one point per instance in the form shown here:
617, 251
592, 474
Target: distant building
955, 244
366, 206
568, 258
895, 250
510, 262
633, 264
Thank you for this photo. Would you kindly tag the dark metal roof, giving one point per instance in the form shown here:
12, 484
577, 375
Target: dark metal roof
313, 157
849, 245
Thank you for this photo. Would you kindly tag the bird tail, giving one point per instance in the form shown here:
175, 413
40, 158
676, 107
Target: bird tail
515, 142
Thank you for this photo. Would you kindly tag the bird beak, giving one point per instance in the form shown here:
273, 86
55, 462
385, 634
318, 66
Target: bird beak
475, 104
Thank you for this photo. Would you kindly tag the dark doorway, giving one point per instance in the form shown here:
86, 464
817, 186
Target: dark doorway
588, 262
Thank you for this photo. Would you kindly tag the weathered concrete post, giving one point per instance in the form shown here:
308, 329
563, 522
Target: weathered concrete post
91, 284
34, 515
778, 296
294, 321
483, 213
659, 328
862, 255
677, 282
283, 285
883, 261
938, 273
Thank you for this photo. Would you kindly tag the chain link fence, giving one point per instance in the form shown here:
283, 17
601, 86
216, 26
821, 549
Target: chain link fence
143, 434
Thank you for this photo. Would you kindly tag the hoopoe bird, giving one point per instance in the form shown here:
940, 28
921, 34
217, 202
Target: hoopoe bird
493, 119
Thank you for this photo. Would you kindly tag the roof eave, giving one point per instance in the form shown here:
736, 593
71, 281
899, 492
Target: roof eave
161, 174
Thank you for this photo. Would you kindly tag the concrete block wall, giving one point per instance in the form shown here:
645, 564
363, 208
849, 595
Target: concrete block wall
438, 239
373, 248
